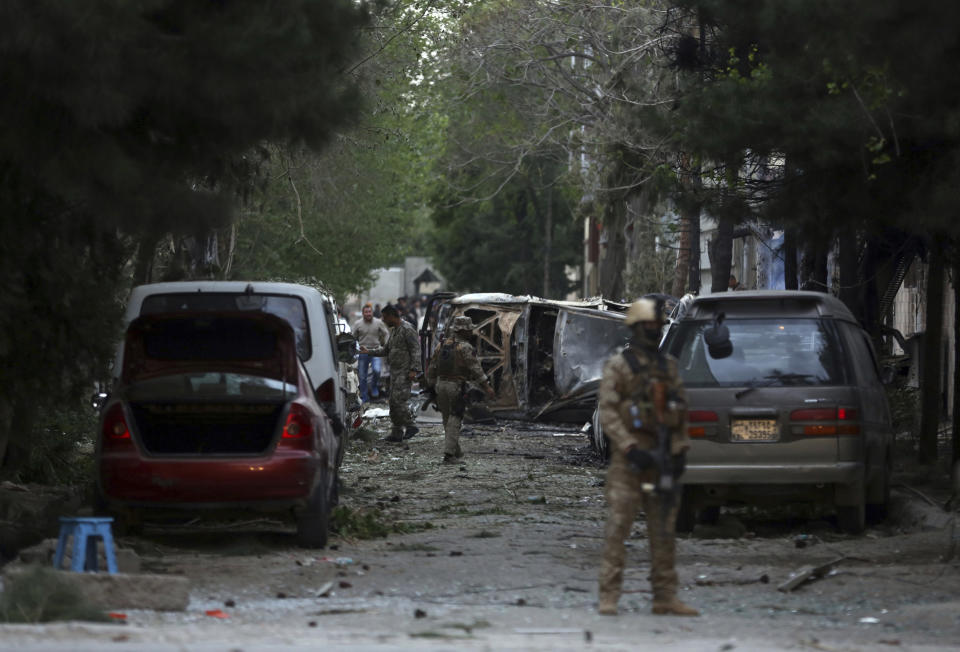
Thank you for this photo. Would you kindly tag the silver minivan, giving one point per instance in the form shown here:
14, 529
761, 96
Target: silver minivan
786, 404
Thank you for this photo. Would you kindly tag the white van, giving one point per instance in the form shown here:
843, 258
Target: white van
311, 313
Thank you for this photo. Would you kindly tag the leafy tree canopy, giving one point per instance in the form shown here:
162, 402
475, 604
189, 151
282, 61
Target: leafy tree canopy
842, 112
130, 118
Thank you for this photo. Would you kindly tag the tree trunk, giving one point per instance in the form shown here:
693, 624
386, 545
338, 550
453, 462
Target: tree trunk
547, 243
694, 262
145, 253
930, 382
721, 255
955, 458
230, 251
613, 262
849, 253
790, 260
683, 257
813, 268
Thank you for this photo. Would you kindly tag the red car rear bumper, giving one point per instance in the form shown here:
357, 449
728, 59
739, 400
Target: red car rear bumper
284, 477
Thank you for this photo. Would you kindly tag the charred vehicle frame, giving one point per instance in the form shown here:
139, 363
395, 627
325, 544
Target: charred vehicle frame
543, 357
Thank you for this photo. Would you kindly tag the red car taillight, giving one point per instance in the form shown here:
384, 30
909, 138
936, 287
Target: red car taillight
115, 431
299, 424
843, 421
700, 416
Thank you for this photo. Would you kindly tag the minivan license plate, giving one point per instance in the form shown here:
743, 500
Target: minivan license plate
754, 430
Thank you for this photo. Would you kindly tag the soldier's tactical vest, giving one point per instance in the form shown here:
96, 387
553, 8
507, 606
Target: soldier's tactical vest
447, 361
637, 410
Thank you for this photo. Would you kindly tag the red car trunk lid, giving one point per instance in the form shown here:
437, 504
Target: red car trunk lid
256, 343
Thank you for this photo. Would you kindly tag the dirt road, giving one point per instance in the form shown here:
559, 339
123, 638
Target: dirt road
502, 553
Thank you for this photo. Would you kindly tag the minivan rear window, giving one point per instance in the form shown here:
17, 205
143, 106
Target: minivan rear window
765, 351
290, 309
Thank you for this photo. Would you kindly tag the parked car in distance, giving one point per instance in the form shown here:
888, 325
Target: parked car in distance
215, 410
543, 357
795, 410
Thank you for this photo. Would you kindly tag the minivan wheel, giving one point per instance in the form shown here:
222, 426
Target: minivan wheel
313, 520
709, 515
851, 518
687, 512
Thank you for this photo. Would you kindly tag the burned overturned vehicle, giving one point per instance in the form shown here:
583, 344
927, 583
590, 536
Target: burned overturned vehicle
543, 357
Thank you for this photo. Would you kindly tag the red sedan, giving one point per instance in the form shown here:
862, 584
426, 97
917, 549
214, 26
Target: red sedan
215, 410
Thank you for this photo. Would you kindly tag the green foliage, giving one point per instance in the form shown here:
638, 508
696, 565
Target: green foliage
368, 524
498, 244
61, 447
853, 103
653, 258
358, 205
40, 595
124, 122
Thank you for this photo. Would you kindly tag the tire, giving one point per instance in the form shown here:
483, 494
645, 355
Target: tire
686, 513
852, 518
127, 523
335, 490
709, 515
599, 441
313, 520
878, 495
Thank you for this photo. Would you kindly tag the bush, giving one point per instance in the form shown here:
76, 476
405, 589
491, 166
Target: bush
62, 446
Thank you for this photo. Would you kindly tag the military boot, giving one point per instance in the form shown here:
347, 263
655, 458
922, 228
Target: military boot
607, 606
673, 607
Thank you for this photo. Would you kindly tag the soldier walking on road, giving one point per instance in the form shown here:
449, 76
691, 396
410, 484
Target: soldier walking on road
453, 365
403, 354
643, 412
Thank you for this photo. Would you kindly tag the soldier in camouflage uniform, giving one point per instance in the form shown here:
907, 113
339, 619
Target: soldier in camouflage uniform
633, 384
454, 364
403, 353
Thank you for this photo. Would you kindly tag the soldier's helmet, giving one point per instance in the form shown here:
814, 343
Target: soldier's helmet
462, 324
643, 310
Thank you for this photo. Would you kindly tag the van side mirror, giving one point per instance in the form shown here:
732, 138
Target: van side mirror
346, 347
717, 338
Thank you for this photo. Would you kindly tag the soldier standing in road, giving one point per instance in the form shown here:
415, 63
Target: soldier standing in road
640, 390
403, 354
453, 365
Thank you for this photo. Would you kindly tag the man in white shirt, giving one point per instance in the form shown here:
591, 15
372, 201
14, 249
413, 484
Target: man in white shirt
371, 333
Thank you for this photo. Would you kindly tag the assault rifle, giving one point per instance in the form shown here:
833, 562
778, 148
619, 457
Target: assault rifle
428, 395
660, 458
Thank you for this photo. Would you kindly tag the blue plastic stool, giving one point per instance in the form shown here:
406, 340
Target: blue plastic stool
85, 531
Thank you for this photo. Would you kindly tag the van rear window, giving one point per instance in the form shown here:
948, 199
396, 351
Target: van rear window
773, 351
290, 309
210, 340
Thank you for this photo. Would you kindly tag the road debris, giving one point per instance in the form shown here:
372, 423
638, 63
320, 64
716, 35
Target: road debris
808, 573
704, 580
324, 591
549, 630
